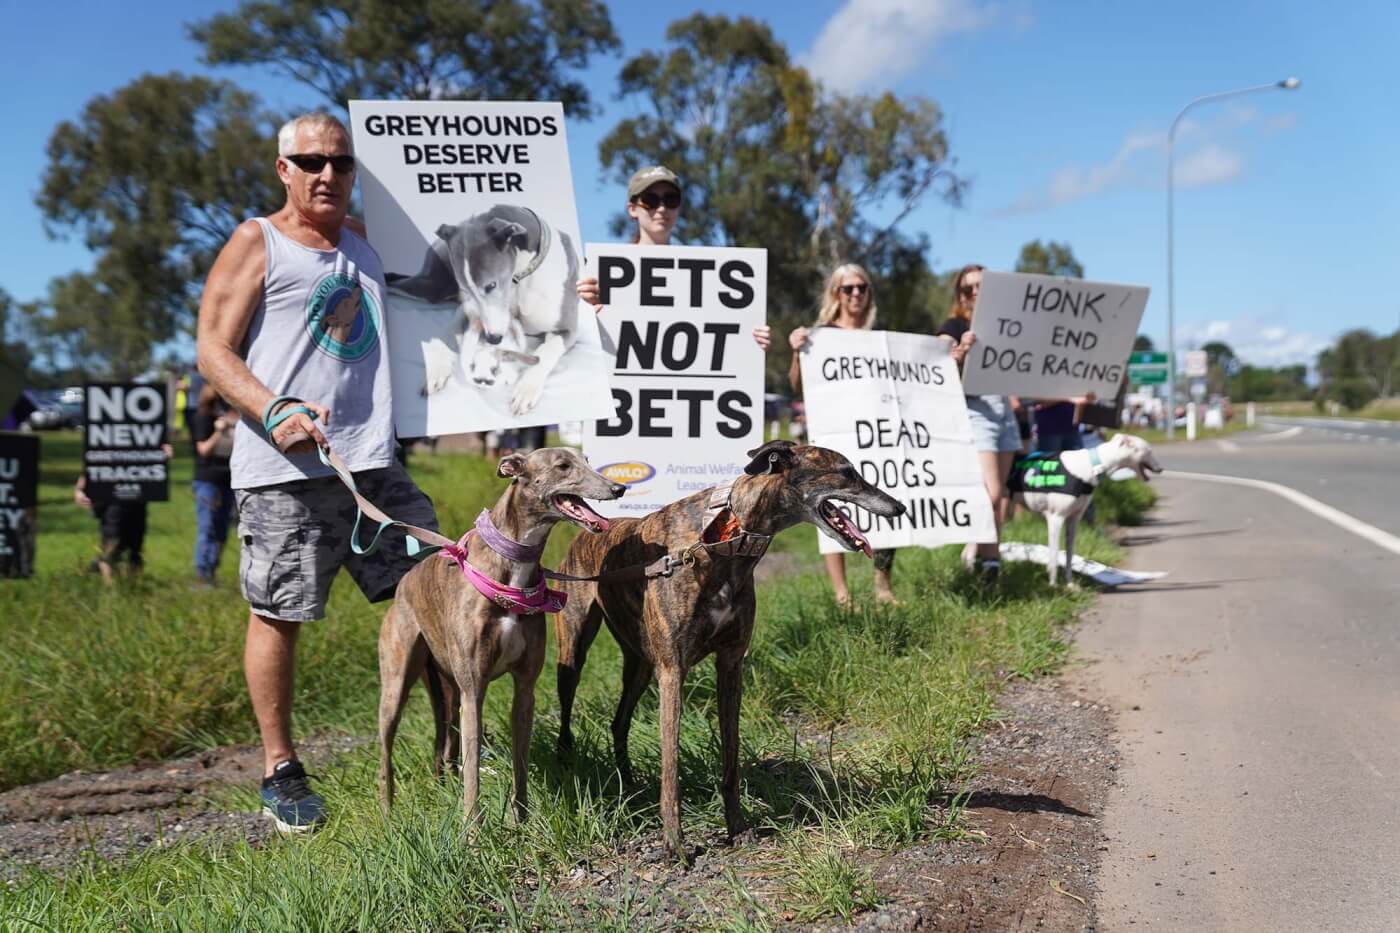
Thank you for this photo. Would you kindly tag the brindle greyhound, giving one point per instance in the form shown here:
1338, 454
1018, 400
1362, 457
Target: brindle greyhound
442, 622
668, 624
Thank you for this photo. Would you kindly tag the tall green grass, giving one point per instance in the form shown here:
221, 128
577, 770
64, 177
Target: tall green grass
854, 725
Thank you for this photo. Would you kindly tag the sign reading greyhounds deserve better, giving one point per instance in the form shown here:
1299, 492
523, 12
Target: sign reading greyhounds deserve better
471, 206
123, 431
893, 404
1044, 336
19, 495
688, 377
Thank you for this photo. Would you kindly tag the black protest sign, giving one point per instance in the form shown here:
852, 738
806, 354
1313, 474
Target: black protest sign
1044, 336
687, 378
19, 498
123, 434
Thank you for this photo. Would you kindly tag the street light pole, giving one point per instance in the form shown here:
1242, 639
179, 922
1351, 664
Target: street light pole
1287, 84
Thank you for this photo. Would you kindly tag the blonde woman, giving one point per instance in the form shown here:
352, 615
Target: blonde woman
848, 303
995, 433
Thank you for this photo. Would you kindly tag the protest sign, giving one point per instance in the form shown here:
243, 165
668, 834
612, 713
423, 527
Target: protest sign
1043, 336
471, 206
893, 404
19, 497
688, 377
123, 430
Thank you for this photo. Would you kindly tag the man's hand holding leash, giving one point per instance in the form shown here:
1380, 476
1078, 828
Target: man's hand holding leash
291, 425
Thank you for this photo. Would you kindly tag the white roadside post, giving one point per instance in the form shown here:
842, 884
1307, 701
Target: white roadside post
1190, 421
1249, 414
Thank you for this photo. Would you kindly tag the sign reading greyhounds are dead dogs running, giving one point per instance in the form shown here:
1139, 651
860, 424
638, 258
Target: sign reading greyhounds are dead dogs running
893, 404
688, 378
123, 430
1043, 336
470, 204
19, 495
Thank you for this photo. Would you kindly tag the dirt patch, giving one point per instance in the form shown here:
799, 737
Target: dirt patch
1027, 859
112, 814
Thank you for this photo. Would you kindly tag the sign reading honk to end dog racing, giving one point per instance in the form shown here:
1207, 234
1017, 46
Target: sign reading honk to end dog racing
1044, 336
688, 377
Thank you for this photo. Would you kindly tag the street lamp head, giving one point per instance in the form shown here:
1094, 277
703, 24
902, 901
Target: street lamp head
1289, 84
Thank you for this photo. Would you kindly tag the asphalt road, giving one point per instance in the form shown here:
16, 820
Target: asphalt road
1258, 694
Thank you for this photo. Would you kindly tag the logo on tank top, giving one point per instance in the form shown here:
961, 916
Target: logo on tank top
342, 318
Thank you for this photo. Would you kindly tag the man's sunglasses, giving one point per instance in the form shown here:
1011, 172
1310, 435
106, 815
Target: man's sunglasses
651, 200
854, 289
313, 164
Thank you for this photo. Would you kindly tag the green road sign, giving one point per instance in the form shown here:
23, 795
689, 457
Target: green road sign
1147, 357
1147, 375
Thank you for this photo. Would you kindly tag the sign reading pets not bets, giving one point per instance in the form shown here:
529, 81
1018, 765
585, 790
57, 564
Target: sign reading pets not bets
470, 205
687, 379
19, 497
124, 428
893, 404
1045, 336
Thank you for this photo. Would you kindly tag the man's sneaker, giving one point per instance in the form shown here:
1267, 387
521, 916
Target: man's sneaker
290, 801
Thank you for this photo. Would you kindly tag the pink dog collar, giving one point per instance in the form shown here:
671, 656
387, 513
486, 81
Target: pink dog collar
528, 600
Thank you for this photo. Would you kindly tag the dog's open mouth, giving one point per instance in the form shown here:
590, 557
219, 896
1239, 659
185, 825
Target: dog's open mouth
578, 512
841, 527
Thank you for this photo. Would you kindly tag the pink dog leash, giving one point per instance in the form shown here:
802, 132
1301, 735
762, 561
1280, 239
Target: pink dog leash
523, 600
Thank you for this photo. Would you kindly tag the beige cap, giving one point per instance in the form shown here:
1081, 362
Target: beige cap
645, 178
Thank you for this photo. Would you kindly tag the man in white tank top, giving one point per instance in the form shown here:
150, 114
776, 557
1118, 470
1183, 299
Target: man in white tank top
294, 307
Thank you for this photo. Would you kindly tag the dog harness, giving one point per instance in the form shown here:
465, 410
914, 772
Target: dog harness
526, 600
1041, 472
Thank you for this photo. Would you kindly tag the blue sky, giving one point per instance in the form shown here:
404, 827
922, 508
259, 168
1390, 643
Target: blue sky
1058, 112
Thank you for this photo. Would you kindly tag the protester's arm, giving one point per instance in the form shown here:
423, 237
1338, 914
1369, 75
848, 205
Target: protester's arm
587, 289
797, 340
231, 296
204, 446
763, 336
80, 495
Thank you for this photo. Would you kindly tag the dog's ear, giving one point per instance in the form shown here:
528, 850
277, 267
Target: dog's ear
505, 233
511, 465
772, 457
446, 232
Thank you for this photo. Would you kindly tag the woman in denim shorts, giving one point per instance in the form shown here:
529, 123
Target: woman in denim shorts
995, 433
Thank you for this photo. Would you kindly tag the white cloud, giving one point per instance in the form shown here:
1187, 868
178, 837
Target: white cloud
868, 44
1201, 160
1255, 342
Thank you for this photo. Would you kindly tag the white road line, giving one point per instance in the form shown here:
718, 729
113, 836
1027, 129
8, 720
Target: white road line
1337, 517
1282, 435
1230, 447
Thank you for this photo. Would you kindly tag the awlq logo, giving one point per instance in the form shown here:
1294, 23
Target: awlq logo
122, 438
19, 496
688, 377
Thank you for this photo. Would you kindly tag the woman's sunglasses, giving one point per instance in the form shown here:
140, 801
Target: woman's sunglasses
341, 164
969, 289
651, 200
854, 289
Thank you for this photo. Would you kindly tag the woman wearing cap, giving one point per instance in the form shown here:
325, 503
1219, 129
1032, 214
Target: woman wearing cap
848, 303
995, 432
654, 201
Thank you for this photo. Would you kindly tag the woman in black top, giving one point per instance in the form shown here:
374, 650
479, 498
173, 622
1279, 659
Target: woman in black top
212, 432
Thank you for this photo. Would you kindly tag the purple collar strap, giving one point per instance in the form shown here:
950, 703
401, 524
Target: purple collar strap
529, 600
508, 548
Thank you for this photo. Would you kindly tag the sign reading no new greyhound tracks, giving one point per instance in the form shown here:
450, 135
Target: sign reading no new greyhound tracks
1044, 336
688, 377
893, 404
123, 434
470, 204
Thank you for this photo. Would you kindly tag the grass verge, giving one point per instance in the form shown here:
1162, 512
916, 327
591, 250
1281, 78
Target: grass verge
852, 724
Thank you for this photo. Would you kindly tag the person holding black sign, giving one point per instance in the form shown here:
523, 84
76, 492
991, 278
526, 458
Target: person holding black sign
848, 303
211, 432
995, 432
122, 527
654, 201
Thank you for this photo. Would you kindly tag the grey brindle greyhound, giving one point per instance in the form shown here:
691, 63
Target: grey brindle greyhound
441, 623
668, 624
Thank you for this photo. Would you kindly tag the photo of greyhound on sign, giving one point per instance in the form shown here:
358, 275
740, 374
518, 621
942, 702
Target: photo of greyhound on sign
512, 277
470, 204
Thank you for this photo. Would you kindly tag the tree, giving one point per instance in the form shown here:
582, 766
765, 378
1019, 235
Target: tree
770, 158
154, 177
418, 49
1221, 366
1361, 356
1143, 342
1049, 259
